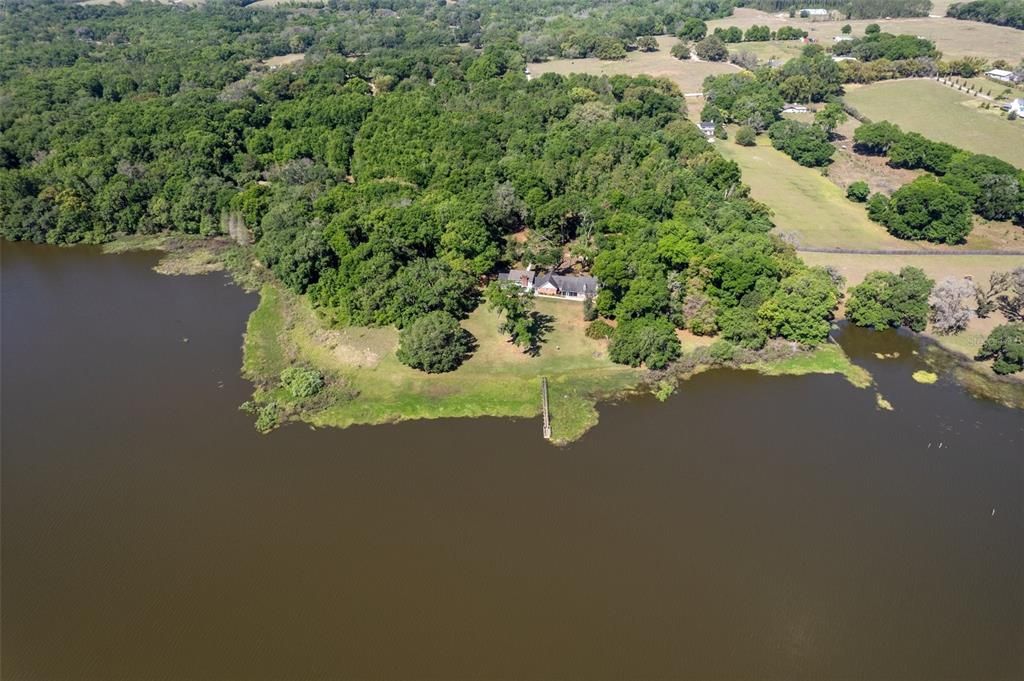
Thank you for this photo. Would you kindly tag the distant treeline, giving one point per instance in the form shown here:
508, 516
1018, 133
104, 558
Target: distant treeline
1000, 12
848, 9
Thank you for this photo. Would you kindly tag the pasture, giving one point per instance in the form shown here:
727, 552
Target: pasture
952, 37
941, 113
782, 50
688, 74
806, 204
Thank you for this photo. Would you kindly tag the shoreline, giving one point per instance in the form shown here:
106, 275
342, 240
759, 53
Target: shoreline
366, 385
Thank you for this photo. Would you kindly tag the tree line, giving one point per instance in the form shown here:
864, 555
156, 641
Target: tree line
938, 207
999, 12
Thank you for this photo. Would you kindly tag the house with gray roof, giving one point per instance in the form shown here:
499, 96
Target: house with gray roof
564, 286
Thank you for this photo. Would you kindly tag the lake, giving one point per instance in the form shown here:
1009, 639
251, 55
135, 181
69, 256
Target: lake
747, 528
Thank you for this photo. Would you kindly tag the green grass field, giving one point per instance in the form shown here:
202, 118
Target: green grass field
942, 113
807, 204
686, 73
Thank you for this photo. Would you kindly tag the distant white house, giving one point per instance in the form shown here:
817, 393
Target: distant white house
844, 58
1015, 107
842, 38
817, 12
794, 109
1002, 75
708, 128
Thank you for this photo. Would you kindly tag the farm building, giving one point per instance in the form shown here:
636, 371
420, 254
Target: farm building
844, 58
794, 109
842, 38
568, 287
1002, 75
820, 13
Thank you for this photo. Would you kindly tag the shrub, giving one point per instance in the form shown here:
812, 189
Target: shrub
434, 343
722, 351
930, 210
693, 29
878, 204
1005, 345
801, 307
599, 330
806, 144
949, 302
649, 340
876, 138
858, 191
302, 382
886, 300
680, 51
712, 48
742, 326
646, 43
267, 417
745, 136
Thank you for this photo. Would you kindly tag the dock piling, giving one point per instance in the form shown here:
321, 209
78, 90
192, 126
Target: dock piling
544, 405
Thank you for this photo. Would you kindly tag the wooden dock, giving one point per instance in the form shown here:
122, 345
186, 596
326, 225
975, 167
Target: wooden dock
544, 405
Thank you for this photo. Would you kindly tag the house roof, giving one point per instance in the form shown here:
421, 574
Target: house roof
999, 73
569, 284
521, 277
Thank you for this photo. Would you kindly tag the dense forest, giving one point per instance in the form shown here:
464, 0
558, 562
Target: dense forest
392, 185
999, 12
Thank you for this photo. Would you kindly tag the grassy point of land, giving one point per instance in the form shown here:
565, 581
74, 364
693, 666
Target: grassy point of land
498, 380
826, 359
942, 113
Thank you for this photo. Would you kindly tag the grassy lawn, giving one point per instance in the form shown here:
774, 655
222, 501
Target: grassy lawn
952, 37
498, 380
942, 113
783, 50
687, 74
806, 203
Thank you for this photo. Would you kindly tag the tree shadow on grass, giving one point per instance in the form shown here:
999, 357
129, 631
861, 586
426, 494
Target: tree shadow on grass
540, 326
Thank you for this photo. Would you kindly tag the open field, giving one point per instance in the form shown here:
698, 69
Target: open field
783, 50
814, 209
283, 60
807, 204
941, 113
498, 380
952, 37
855, 266
689, 75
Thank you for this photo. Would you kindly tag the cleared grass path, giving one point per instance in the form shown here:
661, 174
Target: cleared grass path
807, 204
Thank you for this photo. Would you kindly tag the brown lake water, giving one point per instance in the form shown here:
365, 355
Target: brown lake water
747, 528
